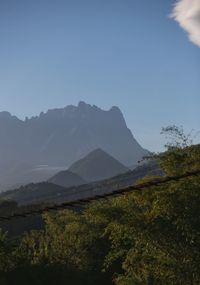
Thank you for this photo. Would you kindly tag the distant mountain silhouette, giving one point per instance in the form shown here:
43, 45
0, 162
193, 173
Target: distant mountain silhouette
66, 179
22, 174
97, 165
51, 193
60, 137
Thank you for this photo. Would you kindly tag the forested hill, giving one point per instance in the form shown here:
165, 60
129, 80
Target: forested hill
50, 193
148, 237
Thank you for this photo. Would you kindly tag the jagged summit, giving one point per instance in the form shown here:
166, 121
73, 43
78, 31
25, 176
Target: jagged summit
115, 109
5, 114
65, 111
82, 107
62, 136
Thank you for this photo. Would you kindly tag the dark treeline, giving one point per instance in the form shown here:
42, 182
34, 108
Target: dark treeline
16, 227
146, 237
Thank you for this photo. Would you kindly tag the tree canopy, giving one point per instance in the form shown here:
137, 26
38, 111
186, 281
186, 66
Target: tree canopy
148, 237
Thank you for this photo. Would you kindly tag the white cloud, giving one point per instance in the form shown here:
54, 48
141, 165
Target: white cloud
187, 14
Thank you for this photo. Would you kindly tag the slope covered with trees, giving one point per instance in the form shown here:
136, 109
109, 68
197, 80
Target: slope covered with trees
146, 237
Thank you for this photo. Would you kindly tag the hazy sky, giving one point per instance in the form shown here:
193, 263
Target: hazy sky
129, 53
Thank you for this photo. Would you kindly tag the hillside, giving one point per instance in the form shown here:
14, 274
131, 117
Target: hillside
51, 193
32, 193
97, 165
60, 137
66, 179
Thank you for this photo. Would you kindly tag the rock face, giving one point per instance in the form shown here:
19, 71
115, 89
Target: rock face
62, 136
97, 165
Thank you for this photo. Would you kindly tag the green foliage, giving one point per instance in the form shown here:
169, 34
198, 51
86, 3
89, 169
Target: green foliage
176, 137
149, 237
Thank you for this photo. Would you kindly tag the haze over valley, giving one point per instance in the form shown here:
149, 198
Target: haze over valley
35, 149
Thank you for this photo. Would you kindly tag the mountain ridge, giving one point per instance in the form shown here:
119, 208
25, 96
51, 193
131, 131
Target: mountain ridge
52, 193
81, 106
62, 136
97, 165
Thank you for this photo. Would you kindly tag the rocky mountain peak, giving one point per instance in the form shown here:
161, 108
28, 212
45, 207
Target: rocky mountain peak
62, 136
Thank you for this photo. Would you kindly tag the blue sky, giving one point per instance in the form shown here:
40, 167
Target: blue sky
127, 53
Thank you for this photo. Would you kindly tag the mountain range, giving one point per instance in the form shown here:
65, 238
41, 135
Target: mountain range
47, 192
95, 166
35, 149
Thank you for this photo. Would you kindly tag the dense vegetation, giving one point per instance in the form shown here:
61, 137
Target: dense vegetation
146, 237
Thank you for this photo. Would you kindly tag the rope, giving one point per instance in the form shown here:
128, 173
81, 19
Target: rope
146, 185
